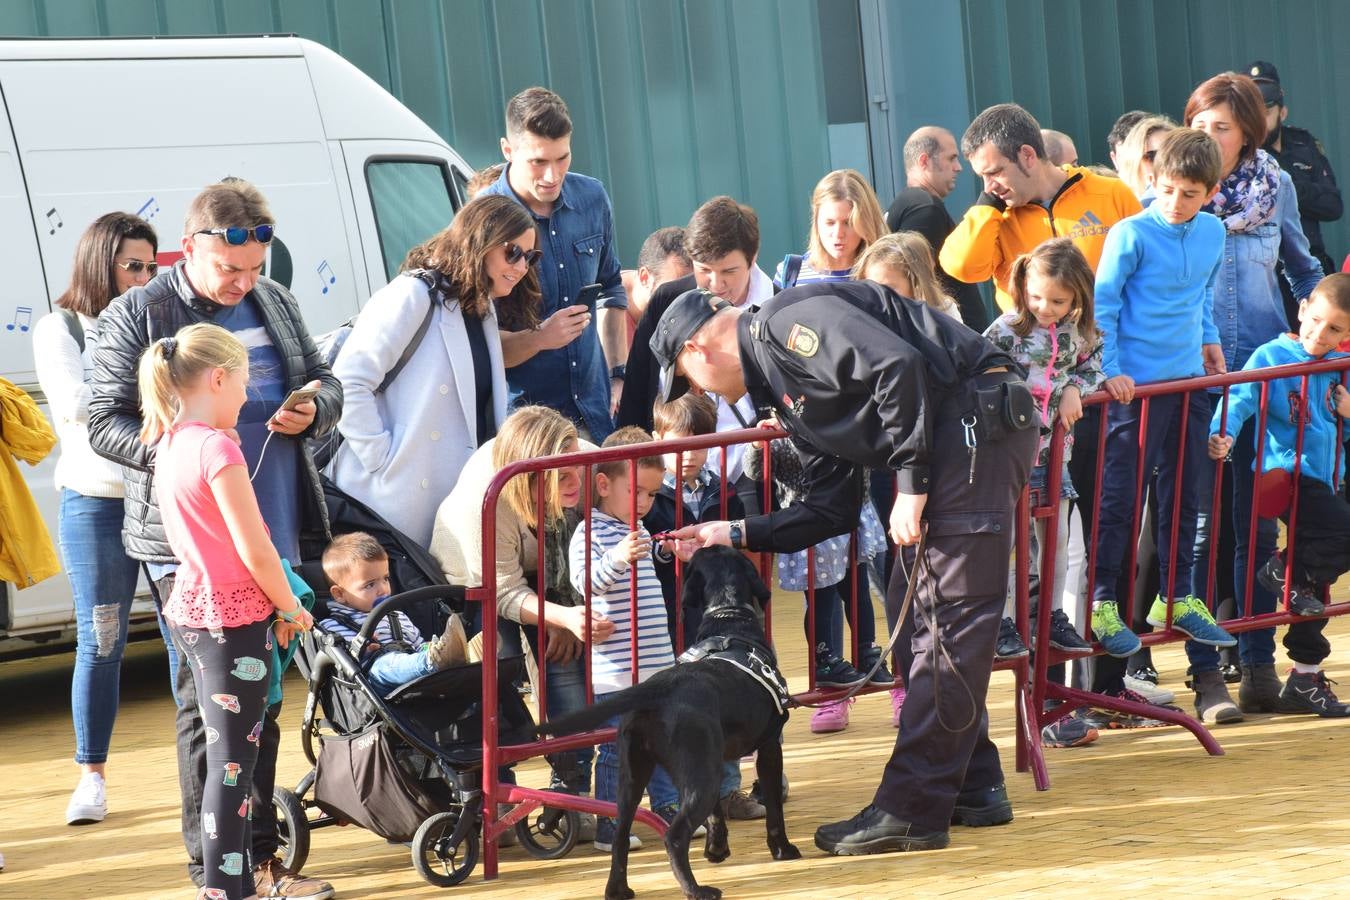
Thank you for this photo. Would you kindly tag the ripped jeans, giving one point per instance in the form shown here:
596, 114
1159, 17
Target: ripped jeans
103, 581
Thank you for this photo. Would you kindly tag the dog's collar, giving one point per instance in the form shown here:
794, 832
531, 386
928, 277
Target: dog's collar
751, 658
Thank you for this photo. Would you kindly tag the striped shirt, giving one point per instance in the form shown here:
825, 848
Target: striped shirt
348, 621
612, 658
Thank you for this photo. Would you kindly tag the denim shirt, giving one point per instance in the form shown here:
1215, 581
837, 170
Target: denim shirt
1248, 308
578, 245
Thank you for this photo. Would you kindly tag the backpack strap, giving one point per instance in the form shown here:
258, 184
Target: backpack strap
792, 267
73, 325
431, 280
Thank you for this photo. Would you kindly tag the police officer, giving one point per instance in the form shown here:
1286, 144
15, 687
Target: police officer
1301, 155
860, 377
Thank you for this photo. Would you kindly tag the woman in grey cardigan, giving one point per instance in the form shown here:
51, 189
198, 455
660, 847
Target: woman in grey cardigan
403, 447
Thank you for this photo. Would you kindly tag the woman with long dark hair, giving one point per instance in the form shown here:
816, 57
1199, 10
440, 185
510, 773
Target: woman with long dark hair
115, 254
403, 447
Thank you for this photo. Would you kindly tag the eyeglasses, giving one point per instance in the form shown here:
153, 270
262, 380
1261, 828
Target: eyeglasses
514, 254
135, 267
236, 237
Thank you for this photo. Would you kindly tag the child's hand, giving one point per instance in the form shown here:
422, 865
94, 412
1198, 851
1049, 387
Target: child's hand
1219, 445
1212, 356
768, 424
1121, 388
284, 631
633, 547
1342, 401
1070, 407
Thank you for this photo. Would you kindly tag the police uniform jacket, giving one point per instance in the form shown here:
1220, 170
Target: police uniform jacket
1319, 197
858, 376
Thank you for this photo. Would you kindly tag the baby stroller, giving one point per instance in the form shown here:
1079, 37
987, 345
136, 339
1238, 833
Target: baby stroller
406, 766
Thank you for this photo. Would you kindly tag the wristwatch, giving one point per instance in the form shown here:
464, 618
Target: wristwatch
736, 533
618, 372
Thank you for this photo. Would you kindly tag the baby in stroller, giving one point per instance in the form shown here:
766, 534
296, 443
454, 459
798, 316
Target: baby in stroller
357, 569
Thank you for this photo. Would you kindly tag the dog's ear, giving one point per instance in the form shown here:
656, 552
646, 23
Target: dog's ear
694, 592
761, 591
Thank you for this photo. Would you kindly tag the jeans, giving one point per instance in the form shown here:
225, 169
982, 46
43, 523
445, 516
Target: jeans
660, 788
393, 668
1255, 647
103, 582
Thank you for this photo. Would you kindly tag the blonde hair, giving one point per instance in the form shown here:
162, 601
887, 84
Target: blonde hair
907, 252
171, 364
528, 433
865, 219
1130, 153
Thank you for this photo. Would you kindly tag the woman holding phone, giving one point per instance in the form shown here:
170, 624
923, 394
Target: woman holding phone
115, 254
403, 446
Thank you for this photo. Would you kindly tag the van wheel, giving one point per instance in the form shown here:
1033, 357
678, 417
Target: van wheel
292, 829
550, 833
437, 857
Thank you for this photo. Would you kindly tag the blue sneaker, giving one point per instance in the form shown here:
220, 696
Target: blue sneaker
1191, 617
604, 836
1117, 640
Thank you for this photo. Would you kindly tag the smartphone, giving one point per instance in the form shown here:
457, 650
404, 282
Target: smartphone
298, 396
588, 296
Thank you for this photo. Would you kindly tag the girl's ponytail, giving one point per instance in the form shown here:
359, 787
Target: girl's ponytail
171, 363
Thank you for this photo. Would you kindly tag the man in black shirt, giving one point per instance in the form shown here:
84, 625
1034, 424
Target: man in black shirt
931, 167
860, 377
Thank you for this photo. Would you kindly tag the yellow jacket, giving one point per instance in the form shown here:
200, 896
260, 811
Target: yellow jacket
26, 552
986, 241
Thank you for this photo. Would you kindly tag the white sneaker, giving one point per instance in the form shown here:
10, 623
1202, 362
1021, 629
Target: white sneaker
89, 803
1148, 690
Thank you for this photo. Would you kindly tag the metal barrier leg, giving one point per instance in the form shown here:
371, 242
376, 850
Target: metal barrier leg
1079, 698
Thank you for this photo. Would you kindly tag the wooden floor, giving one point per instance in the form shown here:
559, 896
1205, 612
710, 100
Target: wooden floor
1137, 813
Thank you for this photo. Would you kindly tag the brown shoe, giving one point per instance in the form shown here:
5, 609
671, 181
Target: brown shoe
450, 648
272, 879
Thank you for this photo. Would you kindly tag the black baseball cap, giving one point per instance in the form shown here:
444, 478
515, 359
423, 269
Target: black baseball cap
680, 322
1267, 78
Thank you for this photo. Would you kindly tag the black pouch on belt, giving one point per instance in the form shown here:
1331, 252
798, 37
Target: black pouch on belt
1003, 409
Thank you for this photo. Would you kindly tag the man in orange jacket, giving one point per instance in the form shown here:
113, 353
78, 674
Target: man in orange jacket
1027, 199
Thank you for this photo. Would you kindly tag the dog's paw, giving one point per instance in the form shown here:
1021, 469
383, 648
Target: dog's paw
716, 854
704, 892
787, 851
620, 892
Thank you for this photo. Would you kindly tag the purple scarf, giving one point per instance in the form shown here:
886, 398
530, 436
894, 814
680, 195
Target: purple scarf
1247, 197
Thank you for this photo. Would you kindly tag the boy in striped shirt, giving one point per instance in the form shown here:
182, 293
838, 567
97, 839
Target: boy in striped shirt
616, 552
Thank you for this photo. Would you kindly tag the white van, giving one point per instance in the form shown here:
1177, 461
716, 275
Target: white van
353, 177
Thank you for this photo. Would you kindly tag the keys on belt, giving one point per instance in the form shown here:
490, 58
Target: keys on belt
972, 443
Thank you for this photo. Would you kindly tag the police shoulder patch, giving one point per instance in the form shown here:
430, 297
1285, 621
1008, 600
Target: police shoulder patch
802, 340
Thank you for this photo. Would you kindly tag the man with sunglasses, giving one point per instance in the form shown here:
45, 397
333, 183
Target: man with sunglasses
568, 362
219, 280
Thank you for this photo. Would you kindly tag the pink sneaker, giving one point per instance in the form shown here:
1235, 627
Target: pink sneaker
831, 718
897, 702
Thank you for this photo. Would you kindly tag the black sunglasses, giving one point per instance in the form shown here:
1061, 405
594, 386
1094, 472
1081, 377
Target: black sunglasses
236, 237
135, 266
515, 254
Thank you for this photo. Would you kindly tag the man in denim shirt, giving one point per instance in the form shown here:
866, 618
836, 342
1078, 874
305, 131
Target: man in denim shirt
561, 363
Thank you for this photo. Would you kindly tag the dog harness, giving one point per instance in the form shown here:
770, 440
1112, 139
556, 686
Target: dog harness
752, 659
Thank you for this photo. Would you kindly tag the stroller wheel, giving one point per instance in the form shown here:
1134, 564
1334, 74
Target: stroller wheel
550, 833
438, 857
292, 829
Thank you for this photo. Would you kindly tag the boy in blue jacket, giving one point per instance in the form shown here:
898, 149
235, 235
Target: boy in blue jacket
1321, 538
1154, 298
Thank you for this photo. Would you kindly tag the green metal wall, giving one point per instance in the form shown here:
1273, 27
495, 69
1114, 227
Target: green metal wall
633, 74
677, 100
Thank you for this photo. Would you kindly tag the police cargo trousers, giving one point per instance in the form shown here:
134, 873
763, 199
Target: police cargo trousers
229, 671
946, 643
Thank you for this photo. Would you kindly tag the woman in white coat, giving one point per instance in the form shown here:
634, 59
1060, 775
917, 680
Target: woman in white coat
403, 448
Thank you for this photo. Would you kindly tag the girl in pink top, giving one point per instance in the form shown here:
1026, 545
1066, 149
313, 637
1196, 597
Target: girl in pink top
230, 584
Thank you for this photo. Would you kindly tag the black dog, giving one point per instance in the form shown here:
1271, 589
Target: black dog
722, 701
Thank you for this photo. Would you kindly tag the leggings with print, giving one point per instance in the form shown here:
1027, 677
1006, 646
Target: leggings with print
229, 669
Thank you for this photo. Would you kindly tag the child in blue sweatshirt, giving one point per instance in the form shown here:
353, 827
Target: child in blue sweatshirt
1321, 540
1154, 301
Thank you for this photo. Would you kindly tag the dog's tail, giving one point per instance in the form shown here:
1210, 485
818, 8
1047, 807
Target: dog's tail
641, 696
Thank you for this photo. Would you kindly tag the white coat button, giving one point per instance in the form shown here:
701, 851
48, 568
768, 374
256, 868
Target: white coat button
591, 251
445, 389
560, 265
435, 435
424, 484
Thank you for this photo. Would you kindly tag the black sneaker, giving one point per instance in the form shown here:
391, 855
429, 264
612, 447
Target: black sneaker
883, 676
1312, 693
876, 831
985, 806
1010, 644
1232, 673
1063, 637
1144, 673
833, 672
1271, 575
1305, 600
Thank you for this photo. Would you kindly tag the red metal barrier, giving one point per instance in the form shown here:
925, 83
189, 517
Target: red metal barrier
496, 754
1069, 699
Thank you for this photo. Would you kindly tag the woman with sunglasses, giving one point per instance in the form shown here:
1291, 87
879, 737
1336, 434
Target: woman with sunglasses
115, 254
1134, 156
403, 446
